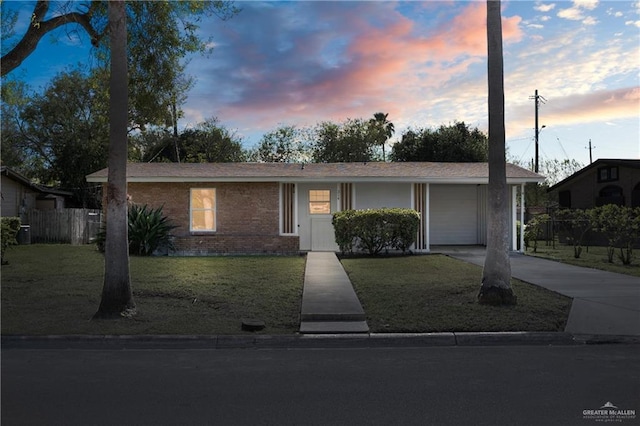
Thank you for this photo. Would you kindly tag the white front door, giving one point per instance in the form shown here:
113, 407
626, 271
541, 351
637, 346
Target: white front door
322, 235
317, 203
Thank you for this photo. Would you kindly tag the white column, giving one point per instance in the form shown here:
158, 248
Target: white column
426, 218
522, 208
296, 224
514, 217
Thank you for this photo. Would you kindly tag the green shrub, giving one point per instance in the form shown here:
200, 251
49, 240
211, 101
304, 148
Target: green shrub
575, 225
375, 230
533, 230
148, 231
344, 230
9, 229
621, 225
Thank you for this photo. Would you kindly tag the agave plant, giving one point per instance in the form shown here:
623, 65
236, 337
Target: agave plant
148, 231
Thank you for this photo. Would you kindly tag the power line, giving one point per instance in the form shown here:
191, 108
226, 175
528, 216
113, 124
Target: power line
561, 146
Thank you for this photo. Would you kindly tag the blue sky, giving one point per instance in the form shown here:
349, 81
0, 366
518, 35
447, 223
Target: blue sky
424, 63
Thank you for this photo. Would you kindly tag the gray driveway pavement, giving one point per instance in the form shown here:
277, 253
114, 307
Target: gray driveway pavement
604, 303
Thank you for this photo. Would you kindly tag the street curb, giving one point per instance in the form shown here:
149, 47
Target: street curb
309, 341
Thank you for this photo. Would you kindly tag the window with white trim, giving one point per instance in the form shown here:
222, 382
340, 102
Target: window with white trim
203, 210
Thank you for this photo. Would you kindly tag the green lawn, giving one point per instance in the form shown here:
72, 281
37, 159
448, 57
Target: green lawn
596, 258
434, 293
55, 289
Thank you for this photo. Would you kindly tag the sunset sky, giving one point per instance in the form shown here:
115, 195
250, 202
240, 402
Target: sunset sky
424, 63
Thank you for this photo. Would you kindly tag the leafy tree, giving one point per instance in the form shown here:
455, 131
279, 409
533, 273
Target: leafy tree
452, 143
156, 29
556, 170
64, 134
352, 141
385, 129
286, 144
160, 33
8, 24
496, 274
209, 142
145, 145
14, 100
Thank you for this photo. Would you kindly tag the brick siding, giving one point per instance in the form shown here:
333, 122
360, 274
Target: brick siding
247, 216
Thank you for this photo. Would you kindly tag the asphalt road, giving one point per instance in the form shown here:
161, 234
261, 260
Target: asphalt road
501, 385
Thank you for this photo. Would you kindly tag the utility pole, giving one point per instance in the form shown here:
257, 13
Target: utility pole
537, 98
590, 148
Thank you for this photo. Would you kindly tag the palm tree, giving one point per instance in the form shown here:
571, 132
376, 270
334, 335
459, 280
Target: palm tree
496, 275
386, 128
116, 291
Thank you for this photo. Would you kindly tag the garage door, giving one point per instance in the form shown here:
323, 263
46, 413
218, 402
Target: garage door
452, 216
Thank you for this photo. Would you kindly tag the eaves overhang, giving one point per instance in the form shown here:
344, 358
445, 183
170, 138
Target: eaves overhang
329, 179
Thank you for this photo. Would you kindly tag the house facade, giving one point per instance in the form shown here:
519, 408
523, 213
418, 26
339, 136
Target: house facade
227, 208
605, 181
19, 195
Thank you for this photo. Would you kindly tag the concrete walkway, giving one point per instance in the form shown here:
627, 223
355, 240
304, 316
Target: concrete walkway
604, 303
329, 303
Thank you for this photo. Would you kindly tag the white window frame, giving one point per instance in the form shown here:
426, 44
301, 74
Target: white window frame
214, 209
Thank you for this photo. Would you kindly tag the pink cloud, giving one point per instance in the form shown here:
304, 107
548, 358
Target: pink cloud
600, 106
380, 60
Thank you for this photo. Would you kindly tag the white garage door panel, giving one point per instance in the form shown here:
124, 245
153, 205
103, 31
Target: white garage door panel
452, 217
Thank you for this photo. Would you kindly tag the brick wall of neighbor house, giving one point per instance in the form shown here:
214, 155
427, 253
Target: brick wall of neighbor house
247, 217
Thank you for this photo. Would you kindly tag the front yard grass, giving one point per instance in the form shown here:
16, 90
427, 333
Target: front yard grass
55, 289
595, 258
434, 293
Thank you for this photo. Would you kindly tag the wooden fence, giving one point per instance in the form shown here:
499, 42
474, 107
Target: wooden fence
68, 226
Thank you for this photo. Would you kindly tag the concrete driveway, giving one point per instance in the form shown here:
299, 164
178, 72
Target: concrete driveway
603, 302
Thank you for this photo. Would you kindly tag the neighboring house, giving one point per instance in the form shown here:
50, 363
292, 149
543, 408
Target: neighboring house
605, 181
19, 194
287, 208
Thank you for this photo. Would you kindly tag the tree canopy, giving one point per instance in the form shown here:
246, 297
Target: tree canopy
59, 136
160, 36
352, 141
286, 144
157, 31
208, 142
448, 143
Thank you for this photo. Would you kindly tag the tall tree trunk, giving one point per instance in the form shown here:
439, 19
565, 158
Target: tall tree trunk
116, 292
496, 275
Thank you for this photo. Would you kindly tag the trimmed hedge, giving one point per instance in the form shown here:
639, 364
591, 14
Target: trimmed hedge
375, 230
9, 229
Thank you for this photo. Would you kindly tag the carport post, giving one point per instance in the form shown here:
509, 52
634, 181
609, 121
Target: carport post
522, 208
514, 217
